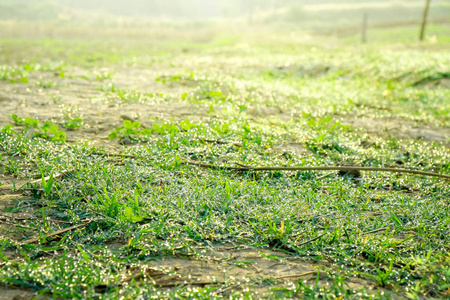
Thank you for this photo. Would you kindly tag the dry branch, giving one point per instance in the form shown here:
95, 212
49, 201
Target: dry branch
295, 275
36, 239
320, 168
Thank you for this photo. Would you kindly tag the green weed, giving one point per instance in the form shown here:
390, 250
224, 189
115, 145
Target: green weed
48, 130
131, 130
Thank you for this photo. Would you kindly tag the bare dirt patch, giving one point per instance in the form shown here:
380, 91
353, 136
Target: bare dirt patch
296, 148
401, 129
234, 269
12, 293
101, 111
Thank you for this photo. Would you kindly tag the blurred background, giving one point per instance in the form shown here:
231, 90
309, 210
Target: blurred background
205, 20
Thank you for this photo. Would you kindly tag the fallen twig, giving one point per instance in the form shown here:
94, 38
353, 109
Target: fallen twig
376, 230
311, 240
295, 275
5, 217
320, 168
16, 225
36, 239
198, 282
220, 142
39, 181
221, 291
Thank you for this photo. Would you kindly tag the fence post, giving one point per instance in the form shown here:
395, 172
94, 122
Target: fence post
424, 20
364, 29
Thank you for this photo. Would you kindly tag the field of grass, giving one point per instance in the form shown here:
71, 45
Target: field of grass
127, 167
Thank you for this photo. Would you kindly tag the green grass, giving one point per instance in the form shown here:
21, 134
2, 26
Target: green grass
390, 231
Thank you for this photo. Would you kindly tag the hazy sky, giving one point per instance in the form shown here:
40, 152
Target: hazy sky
157, 8
174, 9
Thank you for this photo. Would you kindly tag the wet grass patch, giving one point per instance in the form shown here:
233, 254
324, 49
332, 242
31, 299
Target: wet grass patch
169, 204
